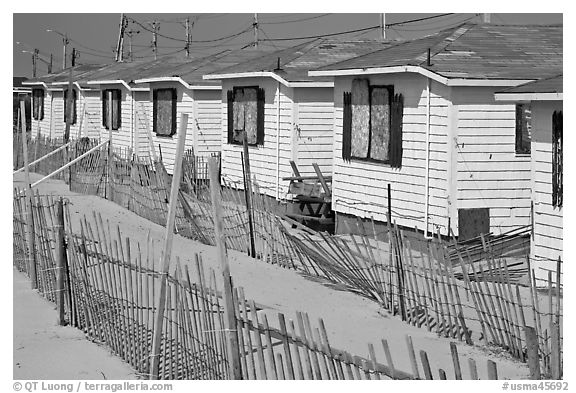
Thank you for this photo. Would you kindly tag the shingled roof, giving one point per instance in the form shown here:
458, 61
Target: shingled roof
470, 51
544, 89
191, 72
292, 64
78, 72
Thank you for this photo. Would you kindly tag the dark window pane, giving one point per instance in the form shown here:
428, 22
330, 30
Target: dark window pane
164, 112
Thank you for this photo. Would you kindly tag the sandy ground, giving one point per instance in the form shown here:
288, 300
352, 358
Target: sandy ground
351, 320
44, 350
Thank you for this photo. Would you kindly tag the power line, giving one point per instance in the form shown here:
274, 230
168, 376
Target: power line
323, 35
439, 27
418, 20
294, 20
200, 41
87, 47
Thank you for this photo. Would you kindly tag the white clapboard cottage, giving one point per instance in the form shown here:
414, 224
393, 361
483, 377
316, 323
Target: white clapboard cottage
421, 117
287, 115
176, 88
49, 104
545, 99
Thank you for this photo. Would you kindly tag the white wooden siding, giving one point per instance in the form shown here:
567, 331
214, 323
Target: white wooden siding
314, 129
360, 188
489, 173
142, 118
548, 226
262, 158
92, 116
207, 122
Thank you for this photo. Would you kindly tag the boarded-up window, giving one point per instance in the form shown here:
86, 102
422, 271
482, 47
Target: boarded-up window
473, 223
246, 115
557, 159
380, 123
523, 139
38, 104
116, 108
73, 108
372, 123
164, 112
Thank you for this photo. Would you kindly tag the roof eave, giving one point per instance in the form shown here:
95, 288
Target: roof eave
117, 82
528, 96
267, 74
422, 71
178, 80
43, 84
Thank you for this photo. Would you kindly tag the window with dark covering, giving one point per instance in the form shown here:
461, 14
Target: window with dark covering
557, 159
523, 138
116, 108
164, 112
372, 124
73, 109
246, 115
38, 104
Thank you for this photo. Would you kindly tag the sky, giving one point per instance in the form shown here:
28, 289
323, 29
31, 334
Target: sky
95, 35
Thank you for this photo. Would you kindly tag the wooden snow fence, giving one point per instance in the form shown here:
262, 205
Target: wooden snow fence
416, 280
110, 288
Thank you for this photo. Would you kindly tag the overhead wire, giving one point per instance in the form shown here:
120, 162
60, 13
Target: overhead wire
294, 20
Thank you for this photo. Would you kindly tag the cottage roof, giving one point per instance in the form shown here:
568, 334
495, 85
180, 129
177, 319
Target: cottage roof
543, 89
291, 65
63, 76
190, 72
486, 52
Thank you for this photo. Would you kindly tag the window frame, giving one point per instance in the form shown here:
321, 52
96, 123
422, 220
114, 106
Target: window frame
518, 132
234, 90
174, 101
390, 89
39, 114
105, 111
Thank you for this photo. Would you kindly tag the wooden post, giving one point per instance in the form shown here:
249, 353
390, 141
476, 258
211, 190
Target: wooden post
492, 370
556, 358
110, 122
532, 349
456, 361
167, 251
60, 260
229, 306
29, 215
68, 116
389, 212
248, 192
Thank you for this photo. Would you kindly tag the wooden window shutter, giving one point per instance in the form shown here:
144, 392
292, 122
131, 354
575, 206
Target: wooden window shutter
557, 159
174, 112
230, 107
74, 101
41, 105
118, 108
347, 127
104, 111
260, 117
395, 146
154, 109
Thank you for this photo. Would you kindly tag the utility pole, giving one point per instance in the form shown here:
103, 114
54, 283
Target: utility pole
130, 34
74, 56
255, 25
486, 18
383, 26
155, 27
65, 40
50, 64
120, 45
34, 62
188, 36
